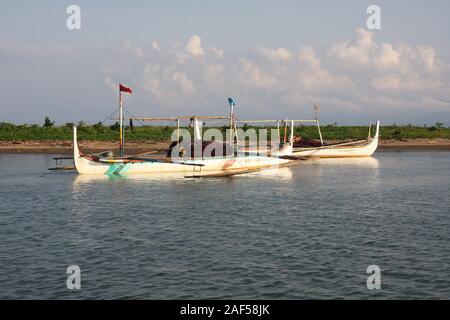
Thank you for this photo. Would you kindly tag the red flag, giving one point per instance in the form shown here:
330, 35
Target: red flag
124, 89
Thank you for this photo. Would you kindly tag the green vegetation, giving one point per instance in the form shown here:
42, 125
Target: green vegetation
48, 123
99, 132
333, 132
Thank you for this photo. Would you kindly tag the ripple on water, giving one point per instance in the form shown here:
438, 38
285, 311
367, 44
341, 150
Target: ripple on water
304, 232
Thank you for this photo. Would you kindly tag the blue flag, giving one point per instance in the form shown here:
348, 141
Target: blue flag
231, 102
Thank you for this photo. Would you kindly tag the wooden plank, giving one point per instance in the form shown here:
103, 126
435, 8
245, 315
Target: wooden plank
264, 121
64, 168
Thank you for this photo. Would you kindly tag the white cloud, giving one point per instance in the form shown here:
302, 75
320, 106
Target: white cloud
387, 57
251, 75
410, 82
428, 57
155, 45
349, 76
214, 76
185, 84
274, 55
308, 56
194, 46
195, 50
312, 76
354, 54
217, 52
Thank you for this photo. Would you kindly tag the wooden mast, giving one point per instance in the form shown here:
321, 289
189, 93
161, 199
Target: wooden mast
231, 124
121, 151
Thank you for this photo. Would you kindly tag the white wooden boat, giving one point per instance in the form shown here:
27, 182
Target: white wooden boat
194, 166
360, 148
97, 164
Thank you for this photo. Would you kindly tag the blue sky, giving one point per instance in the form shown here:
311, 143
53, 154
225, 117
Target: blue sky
276, 58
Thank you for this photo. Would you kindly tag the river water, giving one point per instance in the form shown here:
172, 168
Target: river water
302, 232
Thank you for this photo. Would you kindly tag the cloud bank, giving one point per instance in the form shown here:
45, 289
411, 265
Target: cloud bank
352, 76
353, 80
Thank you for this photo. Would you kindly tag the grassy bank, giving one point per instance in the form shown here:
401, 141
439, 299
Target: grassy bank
98, 132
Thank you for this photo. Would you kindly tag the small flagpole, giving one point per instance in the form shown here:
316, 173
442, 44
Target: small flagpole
121, 153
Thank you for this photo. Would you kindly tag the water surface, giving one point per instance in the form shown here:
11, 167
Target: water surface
302, 232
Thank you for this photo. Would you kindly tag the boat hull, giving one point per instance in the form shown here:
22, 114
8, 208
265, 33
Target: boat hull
365, 149
86, 165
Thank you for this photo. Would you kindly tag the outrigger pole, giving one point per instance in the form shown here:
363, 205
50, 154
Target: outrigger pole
278, 128
316, 109
156, 119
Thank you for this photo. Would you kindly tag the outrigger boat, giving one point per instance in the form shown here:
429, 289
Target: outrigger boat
105, 164
349, 149
318, 149
229, 164
358, 148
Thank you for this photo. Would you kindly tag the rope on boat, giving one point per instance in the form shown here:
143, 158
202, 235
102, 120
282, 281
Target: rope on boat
133, 116
108, 117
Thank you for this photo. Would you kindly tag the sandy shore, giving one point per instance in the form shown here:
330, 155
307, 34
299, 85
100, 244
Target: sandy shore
415, 144
65, 147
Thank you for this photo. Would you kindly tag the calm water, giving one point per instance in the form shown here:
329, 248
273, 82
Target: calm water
308, 231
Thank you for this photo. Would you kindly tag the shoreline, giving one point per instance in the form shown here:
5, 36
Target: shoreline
65, 147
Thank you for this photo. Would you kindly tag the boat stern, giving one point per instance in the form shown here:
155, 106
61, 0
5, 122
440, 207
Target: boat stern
76, 151
377, 132
83, 165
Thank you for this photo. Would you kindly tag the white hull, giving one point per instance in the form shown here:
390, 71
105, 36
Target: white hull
365, 149
84, 165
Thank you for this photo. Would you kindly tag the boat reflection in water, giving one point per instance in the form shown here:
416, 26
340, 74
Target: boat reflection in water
273, 173
363, 162
283, 173
90, 178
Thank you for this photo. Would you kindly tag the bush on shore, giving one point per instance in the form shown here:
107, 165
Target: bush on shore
100, 132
